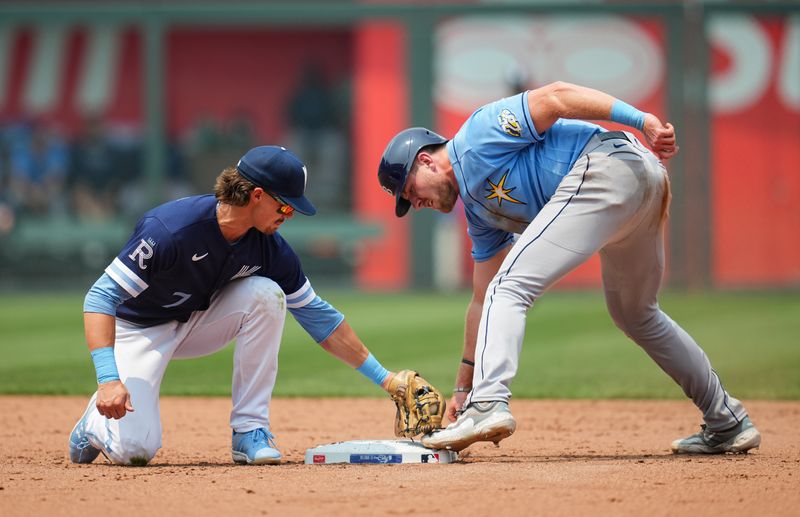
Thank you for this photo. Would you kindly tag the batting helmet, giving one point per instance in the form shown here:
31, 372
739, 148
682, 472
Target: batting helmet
397, 160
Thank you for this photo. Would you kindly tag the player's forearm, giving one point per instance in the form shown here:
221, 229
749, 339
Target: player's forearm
482, 274
99, 329
473, 320
344, 344
100, 336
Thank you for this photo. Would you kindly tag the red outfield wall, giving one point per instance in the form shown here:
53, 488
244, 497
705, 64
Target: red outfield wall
755, 173
754, 92
511, 42
218, 73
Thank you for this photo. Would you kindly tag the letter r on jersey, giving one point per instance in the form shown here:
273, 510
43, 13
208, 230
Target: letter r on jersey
144, 251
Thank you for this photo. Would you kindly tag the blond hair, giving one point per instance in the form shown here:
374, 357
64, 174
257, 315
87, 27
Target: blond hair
232, 188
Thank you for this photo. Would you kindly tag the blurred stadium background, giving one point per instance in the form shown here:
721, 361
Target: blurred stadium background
109, 108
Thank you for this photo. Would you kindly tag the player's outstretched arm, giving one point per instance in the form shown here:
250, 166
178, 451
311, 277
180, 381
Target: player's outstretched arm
482, 275
345, 345
420, 406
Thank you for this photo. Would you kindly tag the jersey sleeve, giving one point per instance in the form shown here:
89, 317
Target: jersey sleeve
150, 250
315, 315
502, 128
486, 241
105, 296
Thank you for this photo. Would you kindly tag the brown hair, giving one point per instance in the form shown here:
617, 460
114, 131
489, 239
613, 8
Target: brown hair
232, 188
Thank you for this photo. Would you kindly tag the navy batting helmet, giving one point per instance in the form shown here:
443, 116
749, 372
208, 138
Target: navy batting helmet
398, 158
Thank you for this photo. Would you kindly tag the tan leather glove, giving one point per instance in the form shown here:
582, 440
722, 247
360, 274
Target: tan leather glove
420, 406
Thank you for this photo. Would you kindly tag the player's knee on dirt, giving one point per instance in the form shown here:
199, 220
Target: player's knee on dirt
133, 452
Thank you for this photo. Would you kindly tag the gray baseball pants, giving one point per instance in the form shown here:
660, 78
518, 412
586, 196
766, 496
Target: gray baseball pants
614, 201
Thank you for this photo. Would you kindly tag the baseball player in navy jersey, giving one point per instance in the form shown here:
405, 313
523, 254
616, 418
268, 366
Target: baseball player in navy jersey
197, 273
542, 192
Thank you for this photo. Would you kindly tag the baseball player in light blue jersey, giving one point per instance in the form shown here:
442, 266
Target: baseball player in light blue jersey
542, 192
197, 273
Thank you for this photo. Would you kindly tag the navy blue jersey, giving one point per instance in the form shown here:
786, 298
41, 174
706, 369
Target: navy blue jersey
177, 258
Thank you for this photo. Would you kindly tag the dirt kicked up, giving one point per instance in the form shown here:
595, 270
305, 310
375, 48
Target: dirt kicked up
566, 458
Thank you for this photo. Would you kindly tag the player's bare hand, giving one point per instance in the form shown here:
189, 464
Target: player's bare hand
387, 381
113, 400
660, 137
455, 405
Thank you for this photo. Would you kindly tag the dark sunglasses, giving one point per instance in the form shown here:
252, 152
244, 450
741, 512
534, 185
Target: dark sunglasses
285, 208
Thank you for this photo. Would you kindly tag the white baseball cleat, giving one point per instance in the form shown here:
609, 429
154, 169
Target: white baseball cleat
80, 448
480, 422
739, 439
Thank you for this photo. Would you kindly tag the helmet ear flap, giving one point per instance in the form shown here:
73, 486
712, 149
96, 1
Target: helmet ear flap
398, 158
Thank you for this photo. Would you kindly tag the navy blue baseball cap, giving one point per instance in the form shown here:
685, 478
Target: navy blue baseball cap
277, 170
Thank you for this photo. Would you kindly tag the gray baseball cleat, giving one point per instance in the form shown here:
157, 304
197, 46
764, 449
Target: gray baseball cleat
740, 438
480, 422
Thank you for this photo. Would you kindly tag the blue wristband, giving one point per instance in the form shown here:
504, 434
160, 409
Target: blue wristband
373, 370
105, 365
624, 113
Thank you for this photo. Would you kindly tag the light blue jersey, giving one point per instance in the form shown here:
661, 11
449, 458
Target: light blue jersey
506, 171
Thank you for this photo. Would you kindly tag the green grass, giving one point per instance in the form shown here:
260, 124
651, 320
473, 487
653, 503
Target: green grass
571, 350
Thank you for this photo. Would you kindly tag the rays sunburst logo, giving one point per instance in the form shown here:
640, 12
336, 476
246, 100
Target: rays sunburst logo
499, 192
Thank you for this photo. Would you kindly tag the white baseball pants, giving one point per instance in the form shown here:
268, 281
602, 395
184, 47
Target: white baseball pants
251, 310
613, 201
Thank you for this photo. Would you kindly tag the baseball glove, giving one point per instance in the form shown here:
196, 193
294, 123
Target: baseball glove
420, 406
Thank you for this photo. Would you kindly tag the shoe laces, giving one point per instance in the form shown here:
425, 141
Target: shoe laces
462, 410
716, 437
705, 433
263, 435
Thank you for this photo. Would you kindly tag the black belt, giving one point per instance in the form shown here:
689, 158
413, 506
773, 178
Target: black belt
598, 139
612, 135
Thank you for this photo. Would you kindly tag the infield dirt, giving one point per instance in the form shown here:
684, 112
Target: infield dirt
566, 458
